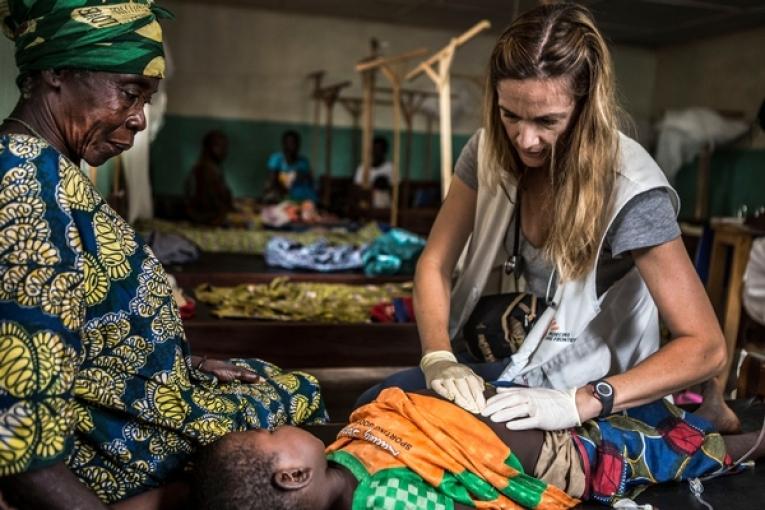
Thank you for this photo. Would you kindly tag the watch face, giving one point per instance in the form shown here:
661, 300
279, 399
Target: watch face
604, 389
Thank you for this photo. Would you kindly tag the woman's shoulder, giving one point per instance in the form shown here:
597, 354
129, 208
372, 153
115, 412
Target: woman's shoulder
18, 148
636, 165
27, 157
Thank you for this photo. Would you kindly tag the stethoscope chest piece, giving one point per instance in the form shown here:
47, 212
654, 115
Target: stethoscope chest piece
514, 265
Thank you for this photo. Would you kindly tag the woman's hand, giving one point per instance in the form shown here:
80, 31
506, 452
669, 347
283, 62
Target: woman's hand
225, 371
533, 408
453, 380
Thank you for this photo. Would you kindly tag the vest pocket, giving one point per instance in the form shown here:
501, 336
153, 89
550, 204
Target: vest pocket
587, 359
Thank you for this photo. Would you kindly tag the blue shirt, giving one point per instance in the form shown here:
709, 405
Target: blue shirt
302, 186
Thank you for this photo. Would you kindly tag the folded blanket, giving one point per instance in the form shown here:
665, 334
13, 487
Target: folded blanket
415, 451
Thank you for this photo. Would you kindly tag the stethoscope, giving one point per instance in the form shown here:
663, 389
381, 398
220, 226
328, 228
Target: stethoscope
515, 264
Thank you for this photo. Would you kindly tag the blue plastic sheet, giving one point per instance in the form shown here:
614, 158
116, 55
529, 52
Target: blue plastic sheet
395, 252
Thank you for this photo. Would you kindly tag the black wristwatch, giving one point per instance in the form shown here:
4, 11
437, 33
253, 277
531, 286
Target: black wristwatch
603, 391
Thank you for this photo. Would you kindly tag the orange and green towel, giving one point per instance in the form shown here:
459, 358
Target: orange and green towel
420, 452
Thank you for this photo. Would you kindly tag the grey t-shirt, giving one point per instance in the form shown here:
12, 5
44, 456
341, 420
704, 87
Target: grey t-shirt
648, 219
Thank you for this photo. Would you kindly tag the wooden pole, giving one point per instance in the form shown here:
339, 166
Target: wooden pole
316, 77
429, 146
408, 120
411, 103
444, 58
396, 85
326, 189
329, 96
353, 107
367, 109
445, 112
388, 66
367, 69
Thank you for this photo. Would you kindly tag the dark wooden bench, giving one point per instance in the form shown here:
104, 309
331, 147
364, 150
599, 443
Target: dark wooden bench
230, 269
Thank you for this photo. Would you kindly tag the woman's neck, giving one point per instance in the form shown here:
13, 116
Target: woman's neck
41, 120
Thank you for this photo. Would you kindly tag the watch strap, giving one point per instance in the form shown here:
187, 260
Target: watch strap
604, 391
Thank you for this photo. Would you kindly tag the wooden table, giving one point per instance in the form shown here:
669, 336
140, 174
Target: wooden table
726, 300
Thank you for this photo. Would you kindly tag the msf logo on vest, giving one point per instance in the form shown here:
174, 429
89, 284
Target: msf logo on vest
554, 334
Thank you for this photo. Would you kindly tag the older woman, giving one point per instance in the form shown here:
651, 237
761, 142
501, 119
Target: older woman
100, 398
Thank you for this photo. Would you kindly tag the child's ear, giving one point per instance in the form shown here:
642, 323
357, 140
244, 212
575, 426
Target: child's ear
293, 478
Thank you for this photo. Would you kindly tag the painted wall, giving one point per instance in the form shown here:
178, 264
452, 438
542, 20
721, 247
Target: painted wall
176, 149
235, 62
9, 93
726, 73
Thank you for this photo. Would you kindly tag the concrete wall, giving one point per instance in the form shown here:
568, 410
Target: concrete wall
234, 62
245, 71
726, 73
9, 93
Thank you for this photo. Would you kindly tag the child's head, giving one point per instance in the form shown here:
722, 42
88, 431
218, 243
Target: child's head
257, 469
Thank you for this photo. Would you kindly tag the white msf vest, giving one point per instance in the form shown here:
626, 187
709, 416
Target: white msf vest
580, 337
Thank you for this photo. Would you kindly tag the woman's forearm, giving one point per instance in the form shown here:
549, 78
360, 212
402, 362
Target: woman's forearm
432, 280
697, 351
681, 363
432, 291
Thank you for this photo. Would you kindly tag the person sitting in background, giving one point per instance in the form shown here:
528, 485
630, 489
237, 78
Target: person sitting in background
290, 176
380, 175
407, 450
208, 197
381, 167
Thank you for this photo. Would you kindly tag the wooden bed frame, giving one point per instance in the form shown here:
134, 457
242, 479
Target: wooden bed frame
346, 358
230, 269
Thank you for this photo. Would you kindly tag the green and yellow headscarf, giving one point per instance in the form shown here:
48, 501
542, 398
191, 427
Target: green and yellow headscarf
96, 35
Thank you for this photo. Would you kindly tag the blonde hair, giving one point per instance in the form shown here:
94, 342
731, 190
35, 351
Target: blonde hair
562, 41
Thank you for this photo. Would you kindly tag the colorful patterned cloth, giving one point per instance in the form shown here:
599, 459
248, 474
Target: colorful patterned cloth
283, 300
253, 242
654, 443
396, 310
412, 451
94, 364
320, 256
98, 35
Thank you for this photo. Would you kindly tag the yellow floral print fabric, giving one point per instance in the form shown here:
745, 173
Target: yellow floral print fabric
94, 365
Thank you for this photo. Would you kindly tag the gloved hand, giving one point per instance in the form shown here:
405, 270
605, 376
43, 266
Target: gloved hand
534, 408
453, 380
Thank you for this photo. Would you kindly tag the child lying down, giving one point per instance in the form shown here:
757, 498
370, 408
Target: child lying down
414, 451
